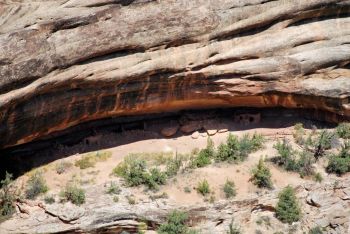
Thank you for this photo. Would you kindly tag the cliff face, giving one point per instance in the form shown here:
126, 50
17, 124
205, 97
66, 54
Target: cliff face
67, 62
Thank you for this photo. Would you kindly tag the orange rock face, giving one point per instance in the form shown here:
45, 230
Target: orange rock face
65, 63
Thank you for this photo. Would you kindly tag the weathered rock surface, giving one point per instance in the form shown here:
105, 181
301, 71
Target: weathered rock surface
67, 62
102, 215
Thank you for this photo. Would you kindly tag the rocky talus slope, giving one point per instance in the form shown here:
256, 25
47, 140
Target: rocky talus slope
66, 62
325, 205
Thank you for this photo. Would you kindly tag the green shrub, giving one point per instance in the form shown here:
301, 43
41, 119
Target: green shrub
304, 164
257, 142
343, 130
261, 175
49, 200
233, 146
175, 224
316, 230
236, 150
285, 156
340, 163
288, 209
291, 160
203, 187
132, 170
245, 146
173, 165
155, 178
7, 197
204, 156
229, 189
73, 193
36, 185
223, 153
187, 190
131, 200
299, 133
323, 142
233, 229
318, 177
62, 166
113, 188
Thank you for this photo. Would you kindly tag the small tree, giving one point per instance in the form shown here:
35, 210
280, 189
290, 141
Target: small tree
7, 197
233, 147
261, 175
288, 209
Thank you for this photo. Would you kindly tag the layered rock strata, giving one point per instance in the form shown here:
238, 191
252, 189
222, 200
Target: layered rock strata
63, 63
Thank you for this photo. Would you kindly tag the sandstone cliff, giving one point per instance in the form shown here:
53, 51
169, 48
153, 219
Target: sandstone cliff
67, 62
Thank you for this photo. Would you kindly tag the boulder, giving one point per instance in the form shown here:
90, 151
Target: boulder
195, 135
191, 127
169, 131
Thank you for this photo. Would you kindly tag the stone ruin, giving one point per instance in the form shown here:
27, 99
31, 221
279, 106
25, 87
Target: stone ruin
247, 118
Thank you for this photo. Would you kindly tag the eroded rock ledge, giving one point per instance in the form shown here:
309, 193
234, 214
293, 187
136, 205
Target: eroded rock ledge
67, 62
326, 206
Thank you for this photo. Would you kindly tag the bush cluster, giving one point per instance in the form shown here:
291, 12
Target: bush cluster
292, 160
323, 143
288, 209
261, 175
8, 197
73, 193
49, 200
229, 189
343, 130
113, 189
299, 133
237, 149
233, 228
316, 142
62, 166
134, 172
204, 157
340, 163
316, 230
36, 185
175, 224
203, 187
173, 165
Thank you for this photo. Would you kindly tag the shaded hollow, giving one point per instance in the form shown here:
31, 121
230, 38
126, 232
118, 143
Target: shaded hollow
79, 139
